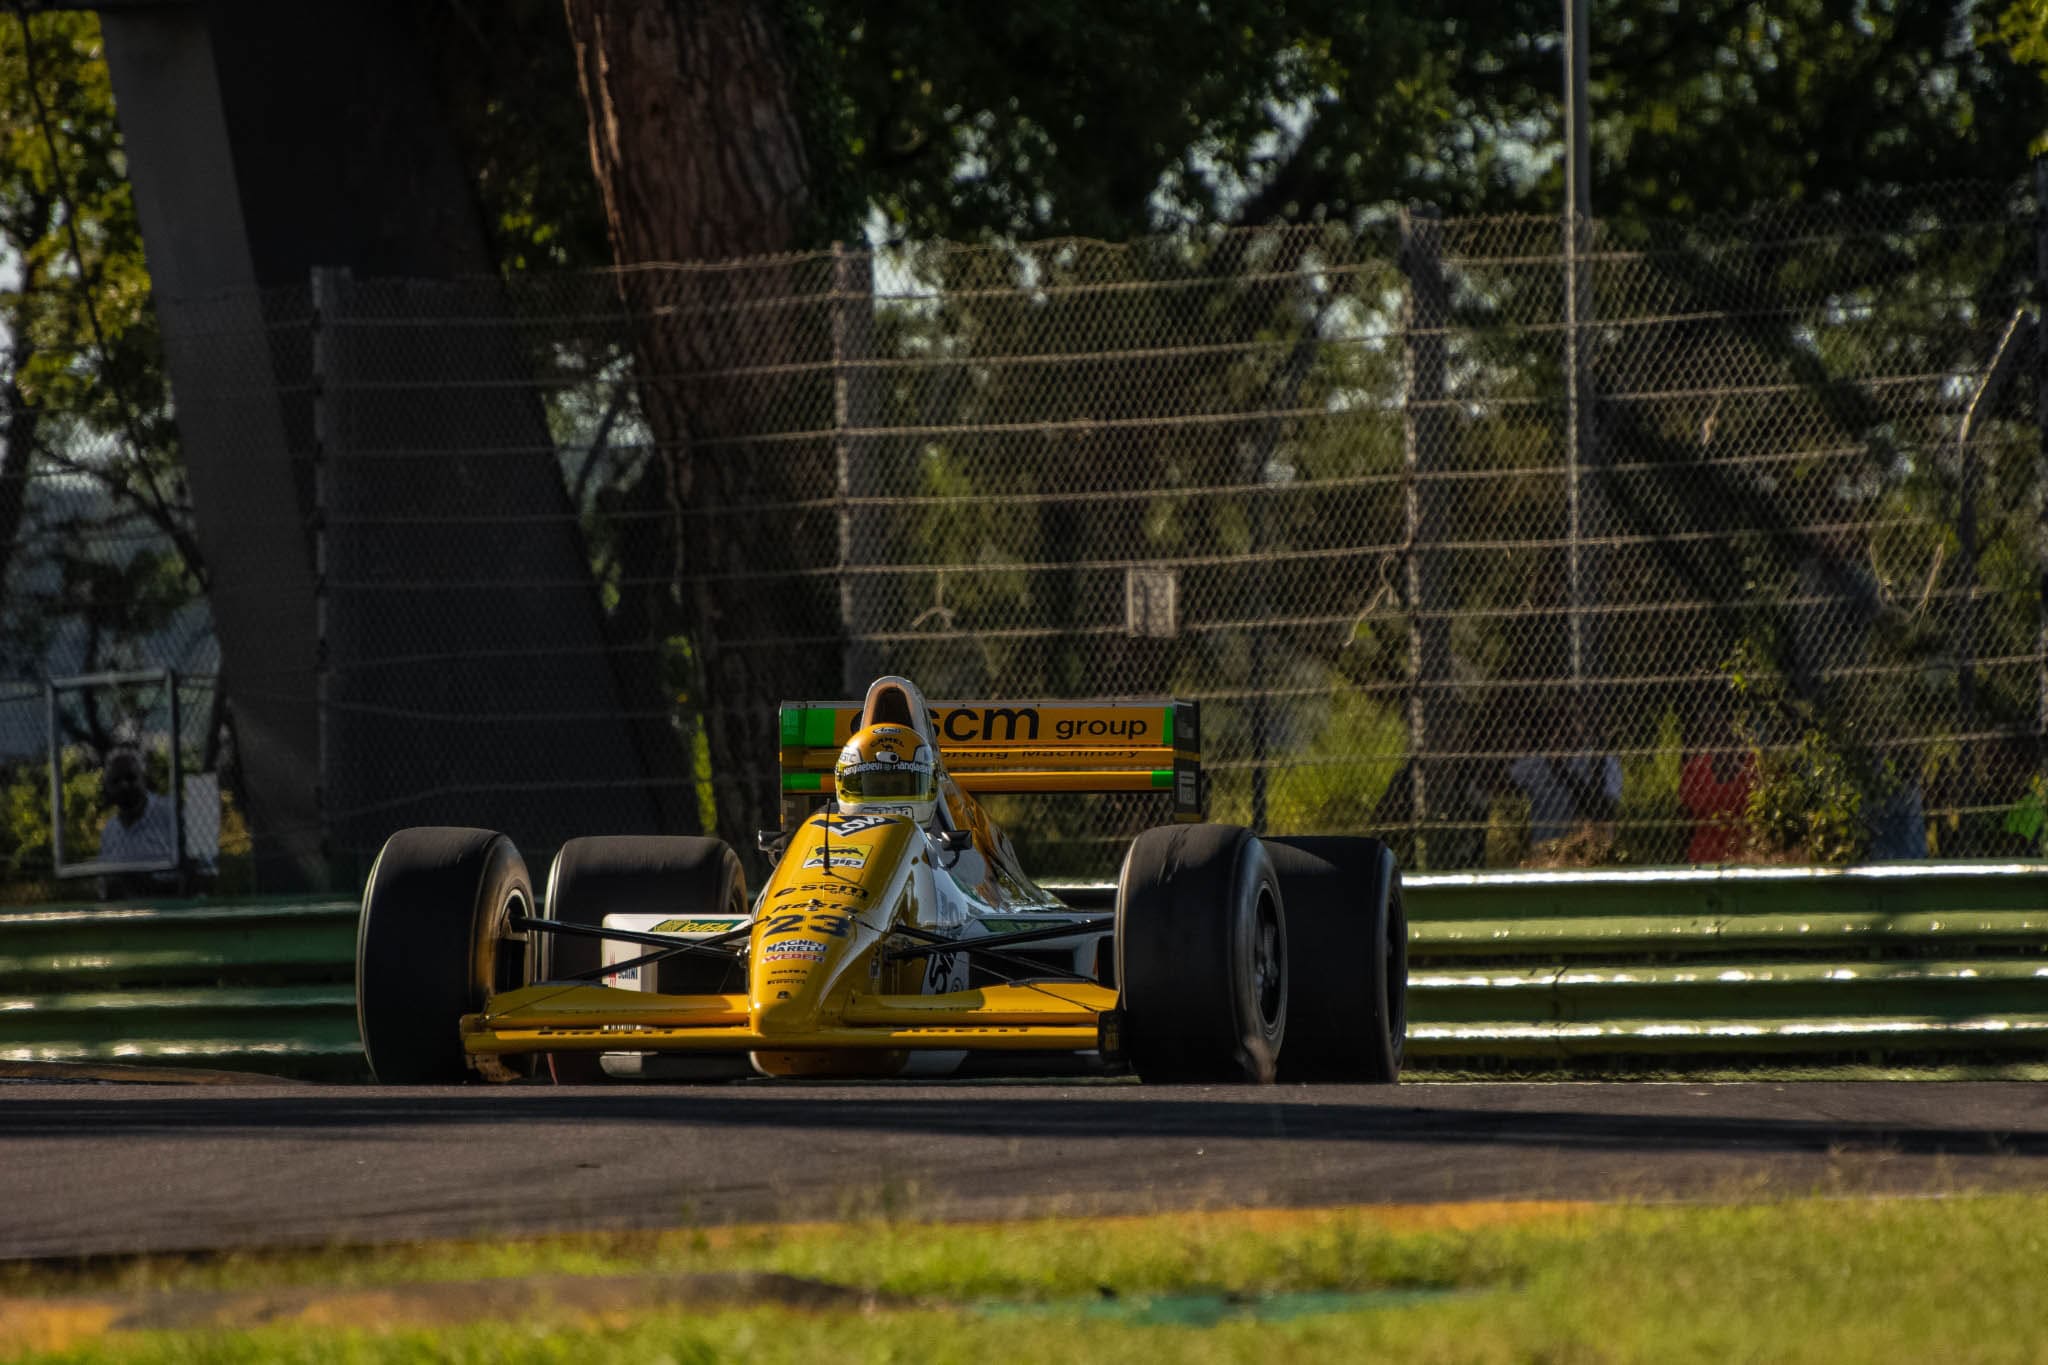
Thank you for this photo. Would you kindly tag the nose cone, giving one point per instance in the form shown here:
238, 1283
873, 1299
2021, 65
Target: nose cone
789, 980
835, 882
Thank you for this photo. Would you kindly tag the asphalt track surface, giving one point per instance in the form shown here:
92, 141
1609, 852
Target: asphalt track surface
116, 1169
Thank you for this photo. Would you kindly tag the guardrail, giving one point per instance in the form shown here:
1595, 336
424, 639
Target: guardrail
1934, 961
1884, 962
245, 986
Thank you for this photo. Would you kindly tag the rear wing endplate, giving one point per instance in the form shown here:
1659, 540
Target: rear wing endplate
1007, 746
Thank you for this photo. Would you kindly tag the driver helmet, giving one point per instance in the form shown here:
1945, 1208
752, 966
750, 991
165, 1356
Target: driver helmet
887, 770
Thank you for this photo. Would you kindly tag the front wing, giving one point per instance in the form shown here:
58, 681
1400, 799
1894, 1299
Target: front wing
1037, 1017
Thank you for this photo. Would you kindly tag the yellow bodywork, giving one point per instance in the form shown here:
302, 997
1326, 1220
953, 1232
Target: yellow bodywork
821, 995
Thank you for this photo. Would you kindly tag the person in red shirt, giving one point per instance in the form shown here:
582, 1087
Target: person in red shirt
1714, 789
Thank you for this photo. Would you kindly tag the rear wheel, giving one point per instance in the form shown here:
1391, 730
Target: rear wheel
1348, 946
629, 874
1201, 950
435, 942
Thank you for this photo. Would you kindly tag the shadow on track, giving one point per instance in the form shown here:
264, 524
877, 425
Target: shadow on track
1122, 1113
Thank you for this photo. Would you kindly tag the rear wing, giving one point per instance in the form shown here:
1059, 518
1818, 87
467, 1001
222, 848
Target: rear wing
1045, 746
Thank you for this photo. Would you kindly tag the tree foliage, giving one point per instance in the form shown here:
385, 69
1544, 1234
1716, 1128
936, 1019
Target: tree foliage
935, 121
95, 528
1065, 118
2022, 30
1105, 121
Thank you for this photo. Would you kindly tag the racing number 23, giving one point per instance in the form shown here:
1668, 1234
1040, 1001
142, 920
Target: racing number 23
834, 925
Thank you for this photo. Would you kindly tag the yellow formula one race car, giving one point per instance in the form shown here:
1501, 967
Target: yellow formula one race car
898, 932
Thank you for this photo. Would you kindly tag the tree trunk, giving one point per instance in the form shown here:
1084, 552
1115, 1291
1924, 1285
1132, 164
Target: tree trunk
700, 157
17, 453
18, 418
265, 141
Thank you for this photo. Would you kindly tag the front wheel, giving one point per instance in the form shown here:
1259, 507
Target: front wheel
434, 942
1201, 950
1349, 945
649, 874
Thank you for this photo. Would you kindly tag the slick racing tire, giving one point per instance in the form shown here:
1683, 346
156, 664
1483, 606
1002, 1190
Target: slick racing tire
434, 942
1347, 941
1201, 950
626, 874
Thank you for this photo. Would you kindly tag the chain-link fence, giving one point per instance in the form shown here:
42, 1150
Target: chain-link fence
1717, 540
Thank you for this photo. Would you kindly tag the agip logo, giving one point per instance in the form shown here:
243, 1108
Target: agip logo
838, 855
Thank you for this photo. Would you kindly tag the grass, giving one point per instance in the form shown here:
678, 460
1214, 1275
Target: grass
1819, 1279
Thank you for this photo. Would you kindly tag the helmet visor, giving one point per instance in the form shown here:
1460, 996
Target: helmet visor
890, 782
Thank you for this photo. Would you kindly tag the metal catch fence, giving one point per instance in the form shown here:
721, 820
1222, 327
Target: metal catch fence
1711, 541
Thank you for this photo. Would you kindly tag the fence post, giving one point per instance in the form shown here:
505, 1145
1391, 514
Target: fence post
853, 287
327, 283
1968, 481
2041, 465
1425, 431
1578, 219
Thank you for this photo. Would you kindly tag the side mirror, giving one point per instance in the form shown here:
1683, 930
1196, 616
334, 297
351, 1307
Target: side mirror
768, 840
958, 840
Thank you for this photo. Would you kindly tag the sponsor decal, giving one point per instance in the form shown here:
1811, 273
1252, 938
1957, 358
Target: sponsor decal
696, 926
800, 949
1129, 727
850, 824
847, 855
1109, 1035
947, 973
886, 763
854, 889
817, 921
1010, 724
966, 724
1074, 757
885, 753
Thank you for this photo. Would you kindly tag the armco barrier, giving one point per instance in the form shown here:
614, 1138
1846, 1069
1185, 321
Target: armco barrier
1906, 960
259, 987
1887, 961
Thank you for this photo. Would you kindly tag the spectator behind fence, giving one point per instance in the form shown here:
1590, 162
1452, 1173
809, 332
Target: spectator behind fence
1565, 789
139, 828
1714, 789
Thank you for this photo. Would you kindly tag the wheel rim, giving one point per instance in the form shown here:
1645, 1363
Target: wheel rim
1397, 974
504, 965
1268, 963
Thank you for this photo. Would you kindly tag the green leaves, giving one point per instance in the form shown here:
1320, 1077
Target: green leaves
86, 438
2021, 28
